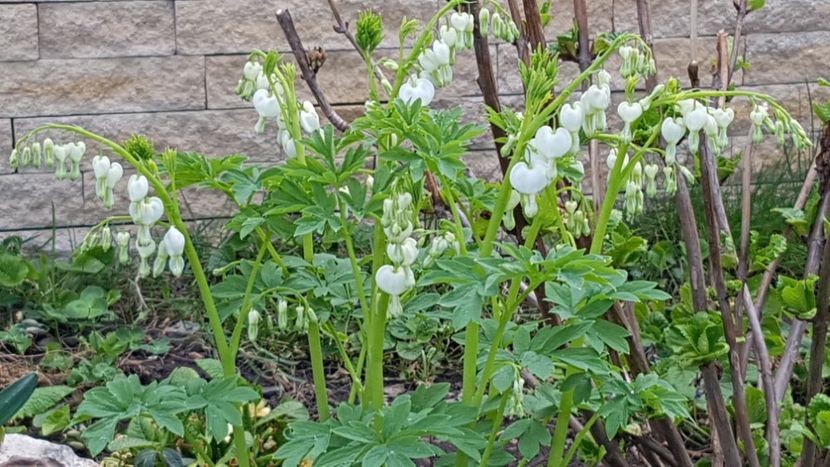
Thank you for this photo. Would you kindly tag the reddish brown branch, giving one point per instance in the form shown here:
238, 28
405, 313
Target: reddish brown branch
310, 77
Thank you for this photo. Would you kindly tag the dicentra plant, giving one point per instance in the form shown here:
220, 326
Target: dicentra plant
474, 263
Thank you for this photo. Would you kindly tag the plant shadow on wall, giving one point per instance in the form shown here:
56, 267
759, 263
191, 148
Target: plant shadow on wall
375, 241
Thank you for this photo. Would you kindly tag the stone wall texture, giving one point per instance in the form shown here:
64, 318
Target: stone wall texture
167, 69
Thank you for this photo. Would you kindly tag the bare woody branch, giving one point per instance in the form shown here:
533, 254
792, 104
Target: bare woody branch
310, 77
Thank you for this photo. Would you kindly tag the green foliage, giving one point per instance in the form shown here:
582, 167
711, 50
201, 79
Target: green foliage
396, 439
369, 31
14, 396
43, 399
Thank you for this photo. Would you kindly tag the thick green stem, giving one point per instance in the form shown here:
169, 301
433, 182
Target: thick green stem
560, 433
498, 420
376, 329
315, 350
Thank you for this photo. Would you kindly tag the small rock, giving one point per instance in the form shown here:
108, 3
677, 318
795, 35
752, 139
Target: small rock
22, 451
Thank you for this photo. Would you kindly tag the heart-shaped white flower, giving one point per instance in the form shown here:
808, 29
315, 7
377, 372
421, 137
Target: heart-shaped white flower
672, 130
100, 165
417, 88
448, 35
723, 117
651, 170
442, 53
265, 104
150, 211
114, 174
137, 187
594, 99
552, 144
687, 105
528, 180
174, 242
252, 70
758, 114
309, 119
76, 151
403, 253
696, 119
570, 117
629, 111
393, 281
711, 125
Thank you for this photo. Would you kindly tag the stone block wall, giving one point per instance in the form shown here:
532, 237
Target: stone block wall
167, 68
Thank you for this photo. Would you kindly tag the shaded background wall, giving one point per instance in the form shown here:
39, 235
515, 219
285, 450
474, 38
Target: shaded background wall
167, 69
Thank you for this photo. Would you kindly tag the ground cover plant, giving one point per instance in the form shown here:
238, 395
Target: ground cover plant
540, 327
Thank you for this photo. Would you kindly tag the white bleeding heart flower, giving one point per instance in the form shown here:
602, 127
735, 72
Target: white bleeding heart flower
723, 117
309, 119
696, 119
672, 130
611, 159
391, 280
604, 78
174, 242
100, 166
759, 114
441, 52
149, 211
448, 35
403, 253
137, 187
711, 126
651, 170
417, 88
552, 144
526, 180
252, 70
570, 117
262, 82
265, 104
540, 162
629, 111
687, 105
114, 174
594, 99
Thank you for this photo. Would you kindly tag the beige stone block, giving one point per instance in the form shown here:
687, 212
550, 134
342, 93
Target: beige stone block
89, 86
18, 32
220, 26
787, 57
107, 29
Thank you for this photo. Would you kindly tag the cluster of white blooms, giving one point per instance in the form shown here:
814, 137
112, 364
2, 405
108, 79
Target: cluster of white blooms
515, 406
145, 212
697, 117
268, 99
577, 220
441, 242
54, 155
107, 175
537, 169
594, 102
635, 63
396, 278
503, 28
97, 236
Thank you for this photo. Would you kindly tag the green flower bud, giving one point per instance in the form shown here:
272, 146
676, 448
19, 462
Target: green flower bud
37, 155
253, 325
161, 260
14, 160
282, 315
49, 152
484, 21
300, 323
123, 241
106, 238
26, 156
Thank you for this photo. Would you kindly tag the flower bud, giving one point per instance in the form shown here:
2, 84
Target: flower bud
484, 21
252, 70
309, 119
174, 241
282, 315
137, 187
49, 152
14, 160
300, 324
253, 324
123, 241
106, 238
161, 260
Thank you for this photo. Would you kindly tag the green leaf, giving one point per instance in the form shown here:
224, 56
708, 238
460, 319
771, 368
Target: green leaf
540, 366
14, 396
612, 335
53, 421
211, 366
13, 270
755, 5
43, 399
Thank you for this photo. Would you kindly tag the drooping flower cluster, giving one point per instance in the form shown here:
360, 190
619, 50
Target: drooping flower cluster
636, 63
107, 175
577, 221
54, 155
146, 212
441, 242
537, 169
396, 278
594, 102
503, 28
268, 98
